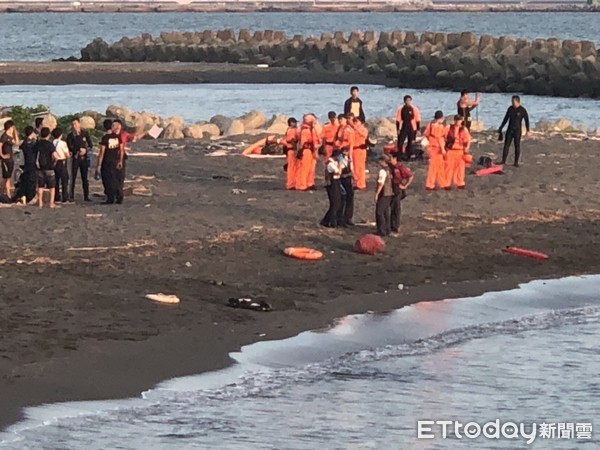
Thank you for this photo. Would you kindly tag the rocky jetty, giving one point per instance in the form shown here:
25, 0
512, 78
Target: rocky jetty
428, 60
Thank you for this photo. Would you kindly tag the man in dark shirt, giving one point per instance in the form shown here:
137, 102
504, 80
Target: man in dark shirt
46, 161
8, 140
515, 115
80, 144
28, 181
402, 178
354, 105
110, 164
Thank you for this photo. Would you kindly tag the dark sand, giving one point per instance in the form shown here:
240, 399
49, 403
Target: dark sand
70, 72
75, 324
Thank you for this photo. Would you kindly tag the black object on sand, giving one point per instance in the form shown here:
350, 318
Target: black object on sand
248, 303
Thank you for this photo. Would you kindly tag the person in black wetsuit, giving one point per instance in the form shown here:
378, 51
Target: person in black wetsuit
515, 115
465, 106
354, 105
28, 181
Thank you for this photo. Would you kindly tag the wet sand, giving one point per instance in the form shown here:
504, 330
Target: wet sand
71, 72
76, 324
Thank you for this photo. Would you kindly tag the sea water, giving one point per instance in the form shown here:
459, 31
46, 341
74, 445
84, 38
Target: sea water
46, 36
527, 356
202, 101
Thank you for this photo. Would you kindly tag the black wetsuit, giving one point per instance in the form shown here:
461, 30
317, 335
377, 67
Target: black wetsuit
465, 113
406, 132
75, 142
514, 117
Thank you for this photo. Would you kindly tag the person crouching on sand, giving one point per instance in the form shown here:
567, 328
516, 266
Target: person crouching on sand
333, 171
458, 143
383, 198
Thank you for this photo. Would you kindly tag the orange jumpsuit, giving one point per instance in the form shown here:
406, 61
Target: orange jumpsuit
292, 136
328, 136
359, 156
436, 173
455, 162
309, 143
344, 139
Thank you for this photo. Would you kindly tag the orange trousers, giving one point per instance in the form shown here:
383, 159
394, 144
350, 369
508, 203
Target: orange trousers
436, 172
304, 168
455, 168
290, 180
313, 170
359, 160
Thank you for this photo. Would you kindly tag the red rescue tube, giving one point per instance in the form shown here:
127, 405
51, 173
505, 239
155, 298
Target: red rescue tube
489, 171
525, 252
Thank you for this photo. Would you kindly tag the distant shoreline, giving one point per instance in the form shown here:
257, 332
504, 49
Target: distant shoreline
258, 7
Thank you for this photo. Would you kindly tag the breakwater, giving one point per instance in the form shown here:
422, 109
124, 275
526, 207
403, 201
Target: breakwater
403, 58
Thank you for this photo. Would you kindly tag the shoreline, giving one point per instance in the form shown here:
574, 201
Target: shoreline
59, 73
135, 367
274, 7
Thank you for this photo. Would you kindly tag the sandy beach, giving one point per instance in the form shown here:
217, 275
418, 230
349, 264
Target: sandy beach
77, 326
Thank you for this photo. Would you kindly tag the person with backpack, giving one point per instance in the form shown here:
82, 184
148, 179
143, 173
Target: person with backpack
436, 133
402, 178
46, 161
458, 143
60, 169
383, 198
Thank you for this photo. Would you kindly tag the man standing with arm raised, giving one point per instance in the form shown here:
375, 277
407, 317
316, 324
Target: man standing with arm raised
515, 115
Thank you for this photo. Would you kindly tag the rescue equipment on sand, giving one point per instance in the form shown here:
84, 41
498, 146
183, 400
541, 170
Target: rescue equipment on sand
525, 252
305, 253
489, 171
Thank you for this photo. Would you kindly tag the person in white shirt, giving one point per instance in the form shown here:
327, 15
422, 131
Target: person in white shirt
383, 198
333, 172
60, 170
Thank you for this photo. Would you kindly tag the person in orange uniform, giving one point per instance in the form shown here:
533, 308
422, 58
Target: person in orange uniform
328, 135
344, 136
290, 145
408, 122
359, 153
458, 143
309, 143
319, 132
436, 133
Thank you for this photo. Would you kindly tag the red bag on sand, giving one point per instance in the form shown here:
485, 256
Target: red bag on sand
369, 244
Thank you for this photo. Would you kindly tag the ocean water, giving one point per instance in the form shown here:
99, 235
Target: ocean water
527, 356
202, 101
46, 36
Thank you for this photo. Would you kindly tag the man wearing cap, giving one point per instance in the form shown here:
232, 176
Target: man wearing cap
290, 145
436, 133
458, 143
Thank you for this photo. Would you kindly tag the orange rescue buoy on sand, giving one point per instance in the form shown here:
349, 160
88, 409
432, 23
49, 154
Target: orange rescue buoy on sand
489, 171
307, 254
524, 252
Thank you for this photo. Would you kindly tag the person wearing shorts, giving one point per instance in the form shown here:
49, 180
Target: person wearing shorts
46, 162
8, 140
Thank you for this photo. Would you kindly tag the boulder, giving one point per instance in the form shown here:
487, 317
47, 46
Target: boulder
87, 122
253, 120
201, 131
49, 120
477, 126
222, 122
562, 125
369, 244
236, 127
382, 128
174, 128
117, 112
597, 132
277, 125
544, 126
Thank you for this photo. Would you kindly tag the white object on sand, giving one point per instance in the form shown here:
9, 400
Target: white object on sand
163, 298
262, 66
155, 131
157, 155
